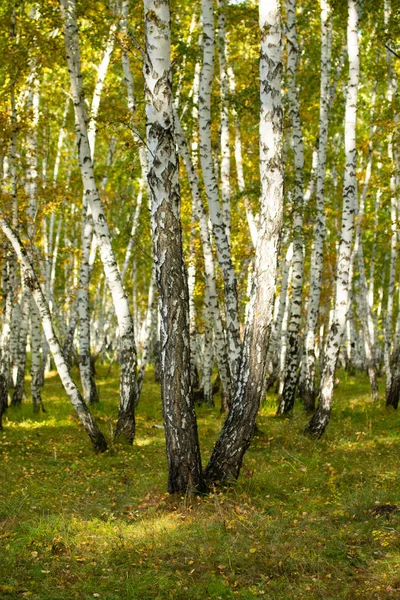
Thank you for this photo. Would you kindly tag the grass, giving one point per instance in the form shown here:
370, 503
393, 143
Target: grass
305, 520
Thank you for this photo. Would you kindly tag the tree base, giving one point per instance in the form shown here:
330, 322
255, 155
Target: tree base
125, 430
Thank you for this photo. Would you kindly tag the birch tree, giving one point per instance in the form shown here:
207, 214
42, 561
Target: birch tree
238, 429
128, 389
183, 453
307, 377
320, 419
211, 187
292, 358
32, 284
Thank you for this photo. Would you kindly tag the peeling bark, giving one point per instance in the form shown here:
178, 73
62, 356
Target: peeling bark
182, 445
239, 427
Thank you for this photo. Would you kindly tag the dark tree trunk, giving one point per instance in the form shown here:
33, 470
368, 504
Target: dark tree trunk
393, 393
3, 392
182, 445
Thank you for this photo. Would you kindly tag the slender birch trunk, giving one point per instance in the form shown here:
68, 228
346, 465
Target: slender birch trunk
89, 388
293, 334
90, 393
31, 187
224, 100
280, 312
149, 320
307, 377
3, 388
320, 419
251, 219
391, 358
183, 452
239, 427
128, 389
19, 390
394, 216
10, 348
211, 186
365, 313
31, 283
211, 300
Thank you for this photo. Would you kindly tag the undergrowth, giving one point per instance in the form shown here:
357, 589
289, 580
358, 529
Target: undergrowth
307, 519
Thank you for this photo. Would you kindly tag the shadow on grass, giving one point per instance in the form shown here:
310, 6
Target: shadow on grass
300, 523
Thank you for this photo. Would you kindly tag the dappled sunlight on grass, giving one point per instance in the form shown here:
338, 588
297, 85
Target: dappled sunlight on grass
307, 519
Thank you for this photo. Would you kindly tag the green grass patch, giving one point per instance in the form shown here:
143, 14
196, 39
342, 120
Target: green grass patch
307, 519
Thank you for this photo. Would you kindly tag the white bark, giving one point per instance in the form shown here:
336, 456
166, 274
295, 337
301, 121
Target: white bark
320, 420
224, 101
307, 378
211, 299
365, 312
391, 90
251, 219
100, 79
128, 390
293, 333
31, 185
211, 186
239, 426
31, 283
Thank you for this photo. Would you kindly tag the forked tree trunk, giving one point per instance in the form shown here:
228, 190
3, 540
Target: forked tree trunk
320, 419
239, 427
183, 452
31, 283
128, 389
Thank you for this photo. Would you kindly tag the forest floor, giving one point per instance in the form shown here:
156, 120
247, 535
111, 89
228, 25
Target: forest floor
306, 519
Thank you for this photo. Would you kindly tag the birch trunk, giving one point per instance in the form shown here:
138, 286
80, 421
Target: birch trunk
183, 452
320, 419
19, 390
239, 427
89, 388
211, 186
211, 300
90, 393
365, 313
280, 311
293, 333
128, 389
224, 100
3, 389
391, 90
251, 219
31, 283
307, 378
149, 320
31, 185
392, 367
